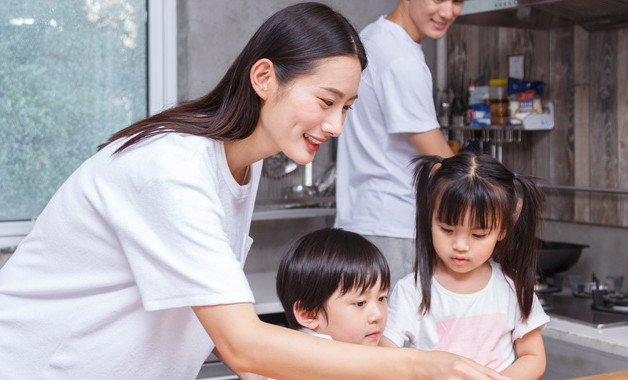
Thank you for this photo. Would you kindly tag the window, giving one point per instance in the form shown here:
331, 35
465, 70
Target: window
71, 74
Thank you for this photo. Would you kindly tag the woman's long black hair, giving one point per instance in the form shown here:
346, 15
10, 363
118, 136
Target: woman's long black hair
294, 39
485, 188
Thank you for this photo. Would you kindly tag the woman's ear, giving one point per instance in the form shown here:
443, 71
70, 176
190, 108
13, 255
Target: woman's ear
305, 318
262, 77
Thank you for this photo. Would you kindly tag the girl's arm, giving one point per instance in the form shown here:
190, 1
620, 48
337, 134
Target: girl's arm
531, 357
250, 345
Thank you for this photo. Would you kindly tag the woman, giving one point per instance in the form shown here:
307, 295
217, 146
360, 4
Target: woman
137, 260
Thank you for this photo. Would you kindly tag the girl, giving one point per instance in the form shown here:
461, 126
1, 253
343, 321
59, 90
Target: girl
472, 292
137, 259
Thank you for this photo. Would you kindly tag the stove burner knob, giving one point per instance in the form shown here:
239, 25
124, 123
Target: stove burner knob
574, 282
617, 283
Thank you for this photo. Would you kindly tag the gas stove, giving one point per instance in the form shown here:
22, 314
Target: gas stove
591, 303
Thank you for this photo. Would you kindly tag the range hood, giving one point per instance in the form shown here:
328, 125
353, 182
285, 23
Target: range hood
592, 15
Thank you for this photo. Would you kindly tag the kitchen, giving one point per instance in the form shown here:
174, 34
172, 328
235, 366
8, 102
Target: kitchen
573, 153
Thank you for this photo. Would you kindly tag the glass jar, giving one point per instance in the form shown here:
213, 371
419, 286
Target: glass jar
498, 99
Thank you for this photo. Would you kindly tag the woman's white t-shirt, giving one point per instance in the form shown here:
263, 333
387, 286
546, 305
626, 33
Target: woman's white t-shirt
102, 286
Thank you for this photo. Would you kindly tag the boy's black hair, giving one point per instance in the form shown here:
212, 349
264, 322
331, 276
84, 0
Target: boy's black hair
323, 261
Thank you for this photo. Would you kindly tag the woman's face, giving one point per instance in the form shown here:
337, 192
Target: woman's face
299, 116
432, 18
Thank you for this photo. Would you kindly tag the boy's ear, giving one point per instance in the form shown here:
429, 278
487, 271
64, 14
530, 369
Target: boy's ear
305, 318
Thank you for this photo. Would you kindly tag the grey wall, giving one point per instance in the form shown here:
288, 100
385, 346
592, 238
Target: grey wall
212, 33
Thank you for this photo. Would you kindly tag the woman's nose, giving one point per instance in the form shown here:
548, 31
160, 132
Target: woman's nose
333, 122
332, 128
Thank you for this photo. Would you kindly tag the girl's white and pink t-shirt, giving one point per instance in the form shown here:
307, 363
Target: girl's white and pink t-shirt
482, 326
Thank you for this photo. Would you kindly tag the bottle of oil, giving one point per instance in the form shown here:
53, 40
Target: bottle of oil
498, 98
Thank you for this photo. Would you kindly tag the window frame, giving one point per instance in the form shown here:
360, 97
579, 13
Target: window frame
162, 86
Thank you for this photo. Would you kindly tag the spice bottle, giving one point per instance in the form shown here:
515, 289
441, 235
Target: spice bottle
498, 98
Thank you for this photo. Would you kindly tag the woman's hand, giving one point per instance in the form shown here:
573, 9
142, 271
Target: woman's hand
444, 365
250, 345
250, 376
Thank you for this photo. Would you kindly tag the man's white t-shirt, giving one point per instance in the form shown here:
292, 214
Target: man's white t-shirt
481, 326
102, 287
374, 190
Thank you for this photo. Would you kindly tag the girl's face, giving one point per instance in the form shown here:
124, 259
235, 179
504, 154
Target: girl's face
301, 115
463, 249
355, 317
432, 18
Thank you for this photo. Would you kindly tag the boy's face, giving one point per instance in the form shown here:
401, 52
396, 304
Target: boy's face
355, 317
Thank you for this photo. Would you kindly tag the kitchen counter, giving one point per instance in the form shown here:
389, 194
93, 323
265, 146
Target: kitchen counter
612, 340
606, 376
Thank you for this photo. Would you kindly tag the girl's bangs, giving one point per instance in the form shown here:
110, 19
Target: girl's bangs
485, 207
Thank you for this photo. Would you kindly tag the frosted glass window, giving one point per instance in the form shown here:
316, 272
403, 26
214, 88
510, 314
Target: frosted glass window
72, 72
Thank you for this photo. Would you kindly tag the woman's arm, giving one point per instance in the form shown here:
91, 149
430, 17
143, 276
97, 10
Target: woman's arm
530, 363
250, 345
241, 375
385, 342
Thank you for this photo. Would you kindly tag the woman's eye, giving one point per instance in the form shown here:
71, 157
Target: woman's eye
360, 303
328, 103
347, 108
383, 298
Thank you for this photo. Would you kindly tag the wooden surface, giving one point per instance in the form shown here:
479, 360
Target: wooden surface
621, 375
587, 78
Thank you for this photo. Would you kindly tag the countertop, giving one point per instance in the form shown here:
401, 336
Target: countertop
606, 376
613, 340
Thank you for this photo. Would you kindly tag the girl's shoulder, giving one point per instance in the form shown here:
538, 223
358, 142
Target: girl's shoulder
499, 278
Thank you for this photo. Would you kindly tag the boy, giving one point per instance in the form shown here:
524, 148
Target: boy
334, 283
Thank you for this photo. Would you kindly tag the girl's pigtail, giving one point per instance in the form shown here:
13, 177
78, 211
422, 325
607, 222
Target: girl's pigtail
524, 263
423, 270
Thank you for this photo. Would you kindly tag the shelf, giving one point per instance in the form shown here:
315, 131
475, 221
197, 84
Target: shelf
293, 213
496, 134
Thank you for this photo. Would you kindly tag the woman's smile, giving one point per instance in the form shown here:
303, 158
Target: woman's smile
313, 142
